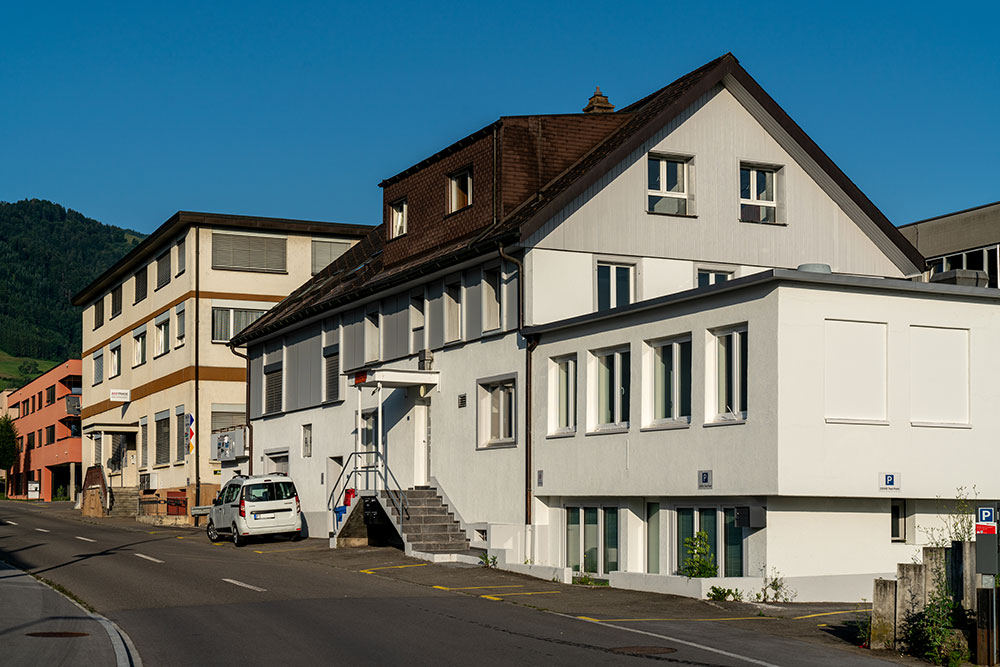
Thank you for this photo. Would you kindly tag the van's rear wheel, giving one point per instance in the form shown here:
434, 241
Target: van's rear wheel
238, 539
213, 534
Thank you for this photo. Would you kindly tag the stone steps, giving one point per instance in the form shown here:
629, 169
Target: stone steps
427, 524
125, 502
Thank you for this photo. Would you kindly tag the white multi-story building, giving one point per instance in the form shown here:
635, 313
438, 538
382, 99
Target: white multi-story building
159, 375
588, 334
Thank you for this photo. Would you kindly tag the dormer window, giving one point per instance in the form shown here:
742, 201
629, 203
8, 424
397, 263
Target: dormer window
397, 218
460, 190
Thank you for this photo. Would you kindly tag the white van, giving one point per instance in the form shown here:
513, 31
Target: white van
257, 505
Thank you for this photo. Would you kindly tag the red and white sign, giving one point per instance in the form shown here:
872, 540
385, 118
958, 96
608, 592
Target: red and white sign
360, 378
986, 528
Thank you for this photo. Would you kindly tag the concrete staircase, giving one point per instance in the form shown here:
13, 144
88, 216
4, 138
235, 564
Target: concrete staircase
430, 527
126, 501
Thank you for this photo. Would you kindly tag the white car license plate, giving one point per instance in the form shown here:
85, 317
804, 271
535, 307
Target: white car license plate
264, 515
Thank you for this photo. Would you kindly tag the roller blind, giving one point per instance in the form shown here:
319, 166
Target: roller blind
248, 253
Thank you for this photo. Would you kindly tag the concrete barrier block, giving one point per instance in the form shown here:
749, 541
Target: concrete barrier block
934, 570
883, 629
910, 593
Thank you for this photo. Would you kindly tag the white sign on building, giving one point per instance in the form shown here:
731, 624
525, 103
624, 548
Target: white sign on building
121, 395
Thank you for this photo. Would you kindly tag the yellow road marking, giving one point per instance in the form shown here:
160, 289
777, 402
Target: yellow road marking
821, 625
179, 537
700, 620
832, 613
506, 595
371, 570
469, 588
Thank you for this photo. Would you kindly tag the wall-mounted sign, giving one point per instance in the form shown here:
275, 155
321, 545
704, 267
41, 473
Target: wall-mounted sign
986, 528
889, 481
360, 378
704, 479
121, 395
986, 515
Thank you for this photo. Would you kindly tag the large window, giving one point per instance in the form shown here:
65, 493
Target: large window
757, 194
397, 218
667, 185
615, 285
497, 412
614, 371
227, 322
693, 521
460, 190
162, 436
980, 259
238, 252
50, 434
324, 252
732, 356
672, 381
564, 417
594, 549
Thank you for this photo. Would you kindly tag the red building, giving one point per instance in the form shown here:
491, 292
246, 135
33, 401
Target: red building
48, 435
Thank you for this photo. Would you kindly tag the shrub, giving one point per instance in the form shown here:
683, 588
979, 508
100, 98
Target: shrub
934, 633
700, 562
720, 594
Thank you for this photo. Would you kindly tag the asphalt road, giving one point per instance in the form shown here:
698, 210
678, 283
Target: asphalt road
184, 601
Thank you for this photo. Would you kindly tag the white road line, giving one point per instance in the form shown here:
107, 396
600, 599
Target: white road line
702, 647
155, 560
240, 583
85, 539
42, 530
13, 523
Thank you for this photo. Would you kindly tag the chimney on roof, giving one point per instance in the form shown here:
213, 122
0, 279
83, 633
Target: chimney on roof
598, 103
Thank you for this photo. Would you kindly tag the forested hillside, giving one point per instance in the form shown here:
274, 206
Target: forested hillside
47, 254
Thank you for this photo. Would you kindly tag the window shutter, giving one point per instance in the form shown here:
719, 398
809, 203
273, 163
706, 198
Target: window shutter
140, 284
248, 253
222, 251
272, 391
97, 448
182, 433
144, 434
163, 440
162, 270
223, 421
333, 374
220, 324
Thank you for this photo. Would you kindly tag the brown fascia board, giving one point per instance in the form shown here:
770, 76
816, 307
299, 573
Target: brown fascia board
150, 246
728, 64
948, 215
441, 154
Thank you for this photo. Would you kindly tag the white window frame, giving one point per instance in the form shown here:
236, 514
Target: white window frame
98, 368
901, 522
139, 349
617, 423
737, 412
179, 314
453, 181
500, 387
232, 320
556, 388
115, 360
713, 275
579, 507
654, 351
397, 218
754, 200
613, 283
162, 341
684, 194
307, 441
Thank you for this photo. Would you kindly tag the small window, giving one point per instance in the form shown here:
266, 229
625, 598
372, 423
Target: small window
498, 412
181, 257
757, 194
50, 434
613, 388
565, 395
491, 298
672, 381
140, 284
116, 361
163, 270
99, 368
181, 324
460, 190
324, 252
732, 352
273, 390
397, 218
898, 519
307, 440
667, 185
162, 337
708, 277
227, 322
99, 313
162, 436
453, 311
615, 285
50, 395
116, 302
139, 348
331, 362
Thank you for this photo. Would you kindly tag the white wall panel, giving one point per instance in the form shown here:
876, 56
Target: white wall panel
855, 370
939, 377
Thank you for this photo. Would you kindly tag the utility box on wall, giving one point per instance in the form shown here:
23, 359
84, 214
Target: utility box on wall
753, 516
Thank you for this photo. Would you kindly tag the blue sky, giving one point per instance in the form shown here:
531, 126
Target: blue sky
128, 112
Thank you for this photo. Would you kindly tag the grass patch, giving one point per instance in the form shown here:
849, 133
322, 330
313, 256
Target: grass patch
587, 580
10, 376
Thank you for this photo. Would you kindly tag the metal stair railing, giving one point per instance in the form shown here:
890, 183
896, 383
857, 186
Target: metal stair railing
366, 465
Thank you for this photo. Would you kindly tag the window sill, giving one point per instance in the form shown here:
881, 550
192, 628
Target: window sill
179, 463
863, 422
457, 211
161, 466
180, 273
666, 426
161, 354
940, 425
141, 363
390, 239
159, 287
673, 215
499, 444
725, 422
136, 303
333, 401
561, 434
611, 428
764, 224
243, 270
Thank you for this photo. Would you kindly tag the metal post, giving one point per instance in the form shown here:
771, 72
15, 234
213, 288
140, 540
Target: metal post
379, 453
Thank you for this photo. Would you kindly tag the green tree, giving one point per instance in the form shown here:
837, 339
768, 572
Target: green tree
700, 561
8, 443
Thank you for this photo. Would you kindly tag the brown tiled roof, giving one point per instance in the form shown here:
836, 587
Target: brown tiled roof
578, 149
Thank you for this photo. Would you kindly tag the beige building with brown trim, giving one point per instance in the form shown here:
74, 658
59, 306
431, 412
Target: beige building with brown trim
158, 373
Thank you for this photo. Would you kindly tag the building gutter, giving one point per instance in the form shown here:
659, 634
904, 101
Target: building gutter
246, 407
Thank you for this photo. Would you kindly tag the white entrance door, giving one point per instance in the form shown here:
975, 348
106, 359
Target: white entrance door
422, 450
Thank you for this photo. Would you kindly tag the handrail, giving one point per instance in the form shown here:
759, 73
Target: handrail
396, 496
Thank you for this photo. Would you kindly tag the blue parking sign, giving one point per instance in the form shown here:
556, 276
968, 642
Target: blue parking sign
986, 515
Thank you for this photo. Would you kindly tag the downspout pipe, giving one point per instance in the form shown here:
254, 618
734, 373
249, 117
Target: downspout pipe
197, 368
532, 343
246, 408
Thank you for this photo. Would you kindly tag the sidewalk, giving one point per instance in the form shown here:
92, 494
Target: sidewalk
40, 626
